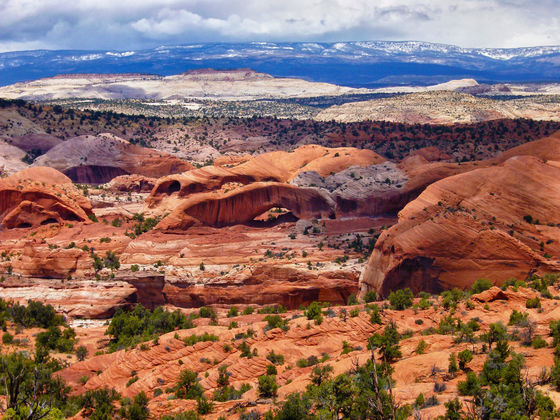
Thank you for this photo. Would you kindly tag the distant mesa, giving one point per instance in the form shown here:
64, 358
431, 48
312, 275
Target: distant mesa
238, 84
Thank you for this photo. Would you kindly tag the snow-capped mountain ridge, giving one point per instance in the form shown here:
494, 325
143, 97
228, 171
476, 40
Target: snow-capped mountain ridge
356, 63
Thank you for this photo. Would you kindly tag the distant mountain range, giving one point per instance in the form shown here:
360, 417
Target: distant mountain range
356, 64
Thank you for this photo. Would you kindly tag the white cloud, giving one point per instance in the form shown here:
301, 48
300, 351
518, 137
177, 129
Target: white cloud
126, 24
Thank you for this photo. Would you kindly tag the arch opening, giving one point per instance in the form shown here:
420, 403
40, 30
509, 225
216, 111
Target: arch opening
49, 221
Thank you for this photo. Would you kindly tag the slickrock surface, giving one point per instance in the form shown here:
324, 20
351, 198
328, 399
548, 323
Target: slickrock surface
11, 159
75, 299
158, 365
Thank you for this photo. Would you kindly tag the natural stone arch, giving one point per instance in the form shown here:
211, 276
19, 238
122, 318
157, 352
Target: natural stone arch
244, 205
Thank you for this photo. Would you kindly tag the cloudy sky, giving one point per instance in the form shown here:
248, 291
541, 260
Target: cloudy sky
133, 24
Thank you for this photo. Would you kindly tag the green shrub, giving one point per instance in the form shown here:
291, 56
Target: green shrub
421, 347
375, 315
533, 303
128, 328
131, 381
203, 406
191, 340
274, 358
450, 298
188, 386
54, 339
480, 286
401, 299
35, 314
453, 368
352, 300
314, 312
276, 321
470, 386
272, 309
306, 362
370, 296
321, 374
248, 310
555, 332
7, 338
387, 343
206, 312
518, 318
138, 410
538, 343
465, 357
268, 388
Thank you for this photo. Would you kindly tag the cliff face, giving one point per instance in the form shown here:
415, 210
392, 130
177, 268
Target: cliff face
470, 226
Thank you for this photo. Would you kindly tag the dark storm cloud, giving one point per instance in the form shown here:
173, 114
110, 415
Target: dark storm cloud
128, 24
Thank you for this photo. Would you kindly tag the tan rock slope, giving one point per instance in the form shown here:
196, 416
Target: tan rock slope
38, 196
11, 159
442, 107
495, 222
98, 159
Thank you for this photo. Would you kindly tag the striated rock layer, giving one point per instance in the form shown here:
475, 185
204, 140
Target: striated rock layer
341, 338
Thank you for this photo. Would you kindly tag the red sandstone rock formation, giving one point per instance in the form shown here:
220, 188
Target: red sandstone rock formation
275, 166
39, 196
474, 225
194, 197
157, 365
88, 299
